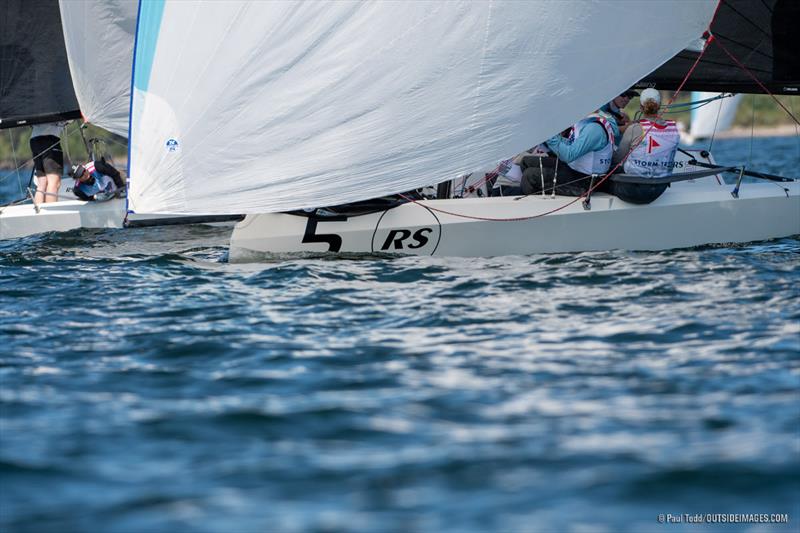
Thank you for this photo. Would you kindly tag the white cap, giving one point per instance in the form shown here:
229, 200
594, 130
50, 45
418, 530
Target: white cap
650, 94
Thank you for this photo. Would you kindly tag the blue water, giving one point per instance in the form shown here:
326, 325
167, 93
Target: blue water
147, 385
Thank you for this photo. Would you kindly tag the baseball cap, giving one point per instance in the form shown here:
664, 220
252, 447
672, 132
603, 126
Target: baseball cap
77, 171
650, 94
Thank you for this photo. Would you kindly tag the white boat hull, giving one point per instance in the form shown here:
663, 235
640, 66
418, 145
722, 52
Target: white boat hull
687, 214
23, 220
18, 221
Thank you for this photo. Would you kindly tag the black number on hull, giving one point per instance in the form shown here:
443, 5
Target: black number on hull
334, 241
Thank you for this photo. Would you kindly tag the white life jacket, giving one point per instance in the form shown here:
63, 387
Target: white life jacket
599, 161
655, 155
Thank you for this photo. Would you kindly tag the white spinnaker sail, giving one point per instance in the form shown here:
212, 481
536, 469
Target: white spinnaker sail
99, 37
713, 117
248, 107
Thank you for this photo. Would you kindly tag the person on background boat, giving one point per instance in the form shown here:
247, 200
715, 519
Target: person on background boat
616, 107
652, 143
97, 181
48, 160
582, 150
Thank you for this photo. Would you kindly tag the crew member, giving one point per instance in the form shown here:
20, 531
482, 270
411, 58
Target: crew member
582, 150
96, 181
48, 160
652, 143
615, 108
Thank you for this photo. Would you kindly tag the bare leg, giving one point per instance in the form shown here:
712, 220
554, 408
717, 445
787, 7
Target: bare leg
53, 184
41, 187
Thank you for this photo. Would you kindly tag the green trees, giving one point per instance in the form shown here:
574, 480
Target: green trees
15, 150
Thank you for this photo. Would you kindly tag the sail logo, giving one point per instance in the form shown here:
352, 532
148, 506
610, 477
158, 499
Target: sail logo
172, 145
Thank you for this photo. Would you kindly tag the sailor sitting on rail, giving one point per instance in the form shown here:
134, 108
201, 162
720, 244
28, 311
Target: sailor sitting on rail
509, 172
582, 150
97, 180
652, 143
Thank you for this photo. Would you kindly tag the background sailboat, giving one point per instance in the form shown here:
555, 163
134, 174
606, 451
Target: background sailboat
716, 116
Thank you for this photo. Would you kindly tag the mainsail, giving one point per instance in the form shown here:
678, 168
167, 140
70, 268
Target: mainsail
759, 34
99, 40
35, 82
248, 107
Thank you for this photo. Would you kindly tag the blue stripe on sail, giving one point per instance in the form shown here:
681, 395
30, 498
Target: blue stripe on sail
149, 25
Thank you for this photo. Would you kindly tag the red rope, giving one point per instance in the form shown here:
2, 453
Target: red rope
764, 87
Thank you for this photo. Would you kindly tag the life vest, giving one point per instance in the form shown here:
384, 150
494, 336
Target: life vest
654, 156
599, 161
509, 171
103, 187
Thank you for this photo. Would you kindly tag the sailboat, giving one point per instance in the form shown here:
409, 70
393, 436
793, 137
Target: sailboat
79, 69
278, 110
281, 110
38, 87
711, 118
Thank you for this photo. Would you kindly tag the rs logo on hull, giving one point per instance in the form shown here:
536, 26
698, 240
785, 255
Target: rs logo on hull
397, 239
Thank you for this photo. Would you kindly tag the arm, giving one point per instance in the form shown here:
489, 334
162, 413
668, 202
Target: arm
593, 137
633, 133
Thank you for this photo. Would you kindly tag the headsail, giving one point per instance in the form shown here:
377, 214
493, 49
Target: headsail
759, 33
243, 107
35, 83
99, 39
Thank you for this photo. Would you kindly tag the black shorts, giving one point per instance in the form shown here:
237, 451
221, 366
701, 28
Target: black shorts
47, 155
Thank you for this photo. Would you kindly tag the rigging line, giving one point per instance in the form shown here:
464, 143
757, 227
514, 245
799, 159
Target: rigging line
16, 163
699, 103
756, 80
714, 131
796, 132
752, 127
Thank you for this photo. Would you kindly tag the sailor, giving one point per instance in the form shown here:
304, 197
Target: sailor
96, 181
652, 143
509, 172
616, 107
582, 150
48, 160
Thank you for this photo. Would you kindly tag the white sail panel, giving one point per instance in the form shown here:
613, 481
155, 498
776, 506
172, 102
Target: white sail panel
99, 37
713, 117
247, 107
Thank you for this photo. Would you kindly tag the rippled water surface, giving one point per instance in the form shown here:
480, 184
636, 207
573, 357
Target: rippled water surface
147, 385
